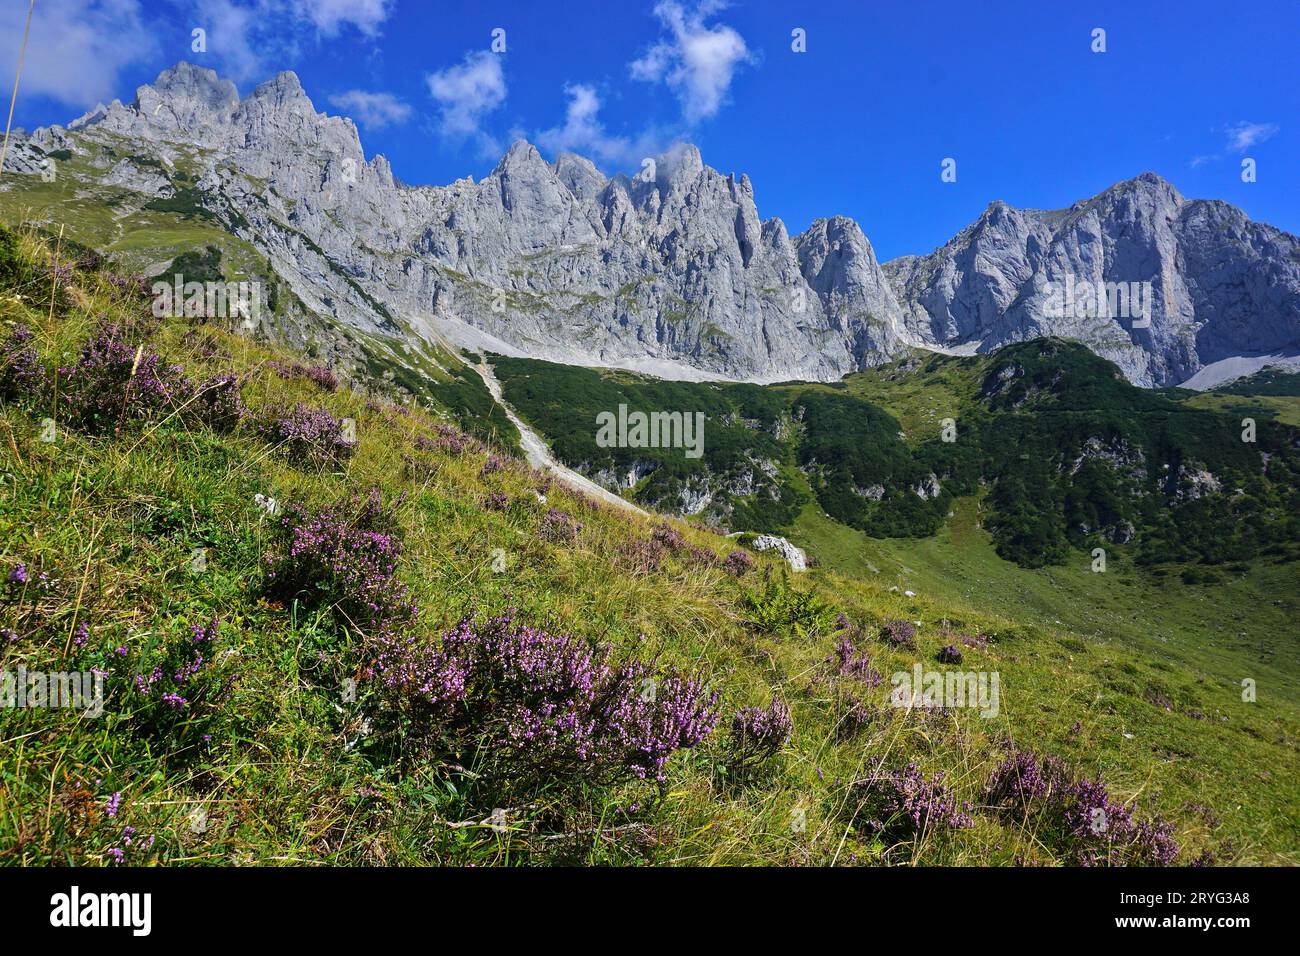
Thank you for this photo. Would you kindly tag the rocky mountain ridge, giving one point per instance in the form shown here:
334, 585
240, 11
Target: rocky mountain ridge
673, 271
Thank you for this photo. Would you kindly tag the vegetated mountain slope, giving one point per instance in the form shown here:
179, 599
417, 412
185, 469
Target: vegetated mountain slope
1269, 394
286, 681
671, 271
1072, 456
178, 236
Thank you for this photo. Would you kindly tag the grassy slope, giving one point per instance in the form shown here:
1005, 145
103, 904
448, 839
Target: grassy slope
115, 520
115, 221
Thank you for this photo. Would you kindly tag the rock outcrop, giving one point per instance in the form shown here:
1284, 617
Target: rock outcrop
673, 271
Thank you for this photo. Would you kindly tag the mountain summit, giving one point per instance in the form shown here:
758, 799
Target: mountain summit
672, 270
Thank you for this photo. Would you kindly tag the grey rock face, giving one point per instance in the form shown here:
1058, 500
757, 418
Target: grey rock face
551, 259
1219, 284
673, 271
794, 556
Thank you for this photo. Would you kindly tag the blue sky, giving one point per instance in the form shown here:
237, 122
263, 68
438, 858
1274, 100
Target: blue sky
859, 124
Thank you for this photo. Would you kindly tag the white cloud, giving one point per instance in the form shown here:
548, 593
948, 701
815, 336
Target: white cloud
252, 39
583, 133
466, 93
235, 34
77, 49
328, 16
372, 110
698, 62
1242, 136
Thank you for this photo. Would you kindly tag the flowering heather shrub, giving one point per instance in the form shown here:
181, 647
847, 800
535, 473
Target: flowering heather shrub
133, 845
899, 804
1077, 818
669, 537
949, 654
132, 286
493, 464
759, 733
848, 661
543, 708
701, 556
54, 280
318, 374
1022, 779
309, 437
451, 440
218, 403
108, 385
639, 555
560, 528
322, 376
21, 371
496, 501
347, 562
738, 562
175, 692
899, 634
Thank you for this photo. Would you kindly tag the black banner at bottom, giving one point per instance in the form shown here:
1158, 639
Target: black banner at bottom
336, 905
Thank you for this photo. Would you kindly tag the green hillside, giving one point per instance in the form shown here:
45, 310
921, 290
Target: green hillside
1072, 456
426, 652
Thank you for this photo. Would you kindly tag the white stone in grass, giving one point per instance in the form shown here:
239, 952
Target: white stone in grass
796, 558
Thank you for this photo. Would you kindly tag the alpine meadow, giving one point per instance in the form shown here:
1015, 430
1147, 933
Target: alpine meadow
573, 512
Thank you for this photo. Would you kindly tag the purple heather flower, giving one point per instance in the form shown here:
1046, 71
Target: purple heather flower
558, 527
669, 537
1091, 828
217, 403
547, 704
851, 662
899, 634
758, 733
113, 803
115, 381
738, 562
310, 436
18, 575
21, 372
901, 803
